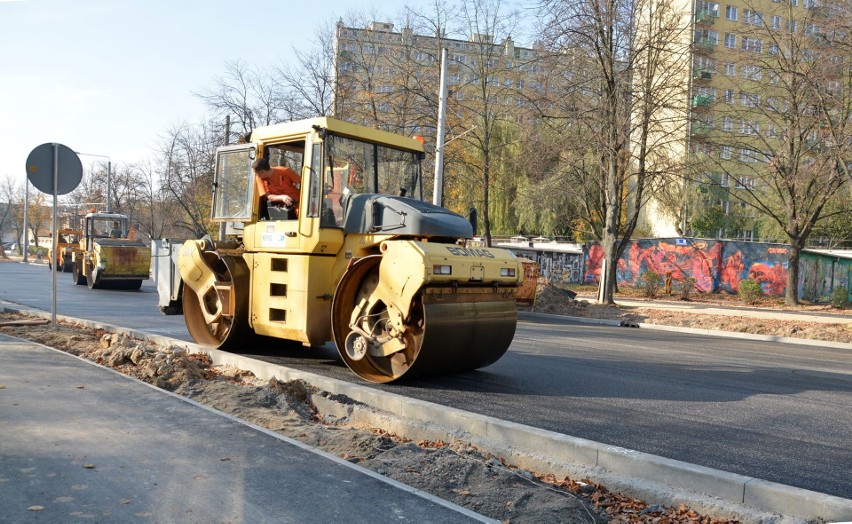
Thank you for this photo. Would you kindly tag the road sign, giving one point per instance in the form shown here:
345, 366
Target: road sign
40, 168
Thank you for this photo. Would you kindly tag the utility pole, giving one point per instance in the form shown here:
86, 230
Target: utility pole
26, 242
438, 190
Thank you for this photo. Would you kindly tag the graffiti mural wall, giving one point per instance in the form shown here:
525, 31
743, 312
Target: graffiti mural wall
717, 266
559, 267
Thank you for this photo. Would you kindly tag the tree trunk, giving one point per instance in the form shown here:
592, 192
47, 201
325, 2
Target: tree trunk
486, 215
608, 274
791, 295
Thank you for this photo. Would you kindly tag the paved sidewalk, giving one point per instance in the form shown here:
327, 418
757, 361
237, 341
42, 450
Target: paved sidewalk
739, 311
80, 442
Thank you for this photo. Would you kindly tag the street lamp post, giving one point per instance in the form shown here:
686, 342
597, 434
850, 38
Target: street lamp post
109, 178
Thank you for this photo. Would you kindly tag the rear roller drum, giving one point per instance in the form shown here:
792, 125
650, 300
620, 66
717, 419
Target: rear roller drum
230, 295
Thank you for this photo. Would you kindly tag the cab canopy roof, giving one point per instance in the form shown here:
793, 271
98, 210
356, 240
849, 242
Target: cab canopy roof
301, 128
111, 216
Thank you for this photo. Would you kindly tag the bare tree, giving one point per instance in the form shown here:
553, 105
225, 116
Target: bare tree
307, 77
486, 81
631, 58
783, 151
250, 97
188, 154
12, 195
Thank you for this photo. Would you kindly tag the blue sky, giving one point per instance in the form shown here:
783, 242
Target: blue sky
109, 76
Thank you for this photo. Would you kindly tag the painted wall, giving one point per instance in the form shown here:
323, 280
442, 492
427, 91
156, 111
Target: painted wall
717, 266
559, 267
820, 273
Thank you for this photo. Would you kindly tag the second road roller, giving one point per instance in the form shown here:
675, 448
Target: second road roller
358, 258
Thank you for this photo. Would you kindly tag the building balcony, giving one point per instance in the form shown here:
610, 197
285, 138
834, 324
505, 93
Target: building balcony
702, 101
704, 45
700, 129
705, 17
704, 75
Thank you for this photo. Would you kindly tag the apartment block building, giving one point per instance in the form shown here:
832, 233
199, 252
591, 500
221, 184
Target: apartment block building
390, 78
744, 54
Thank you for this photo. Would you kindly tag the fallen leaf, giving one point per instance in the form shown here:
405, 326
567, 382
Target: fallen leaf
35, 508
89, 466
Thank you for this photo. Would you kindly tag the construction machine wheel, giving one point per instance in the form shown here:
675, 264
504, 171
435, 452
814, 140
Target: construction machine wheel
448, 335
77, 274
230, 294
92, 279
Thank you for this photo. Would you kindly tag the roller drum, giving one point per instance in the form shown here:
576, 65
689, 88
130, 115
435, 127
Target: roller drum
232, 291
445, 333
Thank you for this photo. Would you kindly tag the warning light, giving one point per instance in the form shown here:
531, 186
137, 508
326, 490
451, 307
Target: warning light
419, 139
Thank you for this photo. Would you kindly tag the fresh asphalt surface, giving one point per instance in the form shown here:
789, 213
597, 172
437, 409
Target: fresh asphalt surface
773, 411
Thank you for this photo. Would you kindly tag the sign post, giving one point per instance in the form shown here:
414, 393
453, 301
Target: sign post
56, 169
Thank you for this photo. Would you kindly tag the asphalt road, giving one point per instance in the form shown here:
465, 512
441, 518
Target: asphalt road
773, 411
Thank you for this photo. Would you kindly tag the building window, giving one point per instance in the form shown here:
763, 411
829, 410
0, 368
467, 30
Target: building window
750, 44
731, 13
747, 127
748, 156
730, 69
749, 99
791, 26
726, 152
751, 72
752, 17
706, 36
730, 40
711, 7
775, 22
727, 124
729, 96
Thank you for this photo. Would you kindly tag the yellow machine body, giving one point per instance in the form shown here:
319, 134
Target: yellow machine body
62, 248
387, 278
108, 254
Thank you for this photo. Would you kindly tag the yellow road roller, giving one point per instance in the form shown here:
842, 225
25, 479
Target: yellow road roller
109, 254
362, 260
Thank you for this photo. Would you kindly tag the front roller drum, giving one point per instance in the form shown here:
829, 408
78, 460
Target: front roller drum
230, 293
445, 333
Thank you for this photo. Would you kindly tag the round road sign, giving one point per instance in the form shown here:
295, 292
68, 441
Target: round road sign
40, 169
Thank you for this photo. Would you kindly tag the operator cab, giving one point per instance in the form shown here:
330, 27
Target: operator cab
333, 167
105, 225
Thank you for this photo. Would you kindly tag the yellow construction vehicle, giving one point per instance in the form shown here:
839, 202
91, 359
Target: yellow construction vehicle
365, 263
109, 255
65, 241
